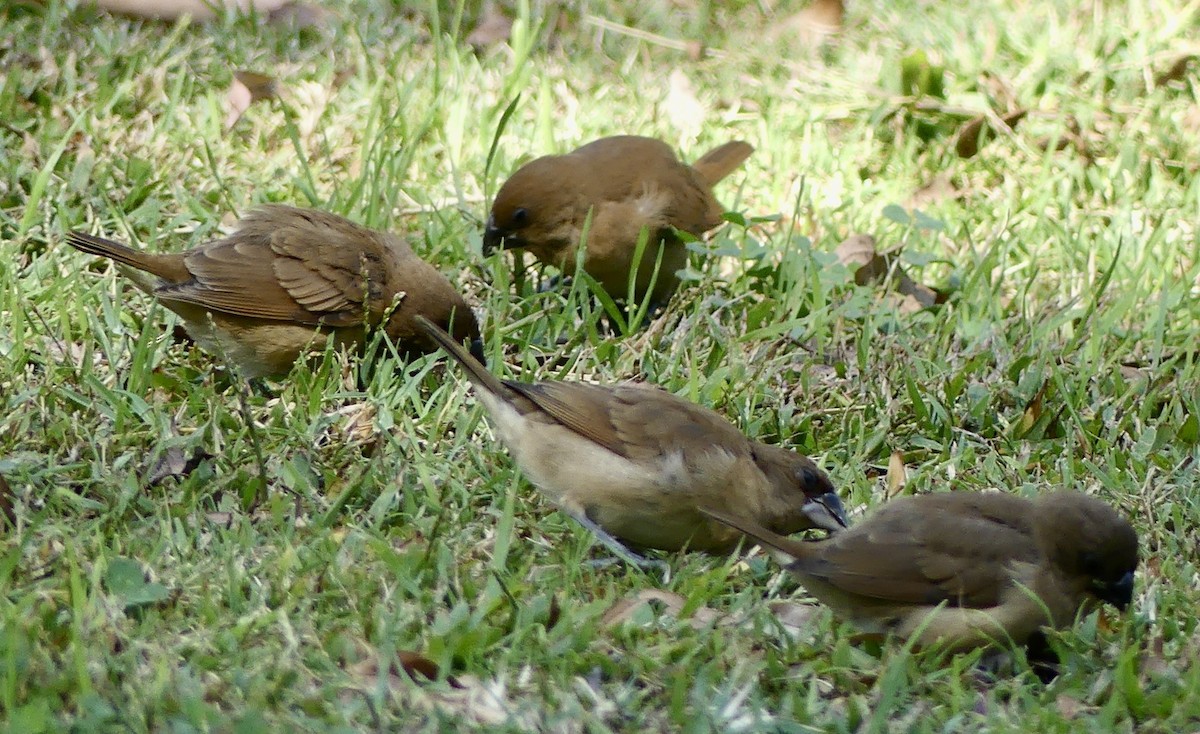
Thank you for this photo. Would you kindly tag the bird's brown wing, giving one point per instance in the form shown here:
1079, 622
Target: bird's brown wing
958, 549
638, 422
294, 268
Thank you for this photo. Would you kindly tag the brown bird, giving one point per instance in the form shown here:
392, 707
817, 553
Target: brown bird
628, 184
289, 280
633, 462
965, 570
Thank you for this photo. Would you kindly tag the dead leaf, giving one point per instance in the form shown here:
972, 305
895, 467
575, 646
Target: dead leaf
1068, 707
221, 519
1152, 663
1072, 137
494, 27
916, 296
357, 426
794, 616
302, 16
683, 108
970, 138
174, 463
414, 665
897, 474
342, 76
624, 610
198, 9
6, 503
816, 23
1033, 410
939, 188
246, 88
858, 250
1176, 71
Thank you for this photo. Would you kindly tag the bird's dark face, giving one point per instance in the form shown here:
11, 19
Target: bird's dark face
460, 323
1089, 541
1110, 576
532, 205
824, 508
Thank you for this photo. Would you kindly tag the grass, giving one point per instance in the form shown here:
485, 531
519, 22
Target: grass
152, 584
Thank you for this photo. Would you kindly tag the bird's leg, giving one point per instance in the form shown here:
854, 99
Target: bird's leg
616, 546
1041, 657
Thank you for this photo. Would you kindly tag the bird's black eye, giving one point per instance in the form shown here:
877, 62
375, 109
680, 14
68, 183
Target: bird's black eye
520, 217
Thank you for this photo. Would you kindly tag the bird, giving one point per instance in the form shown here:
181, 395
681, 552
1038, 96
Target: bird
287, 281
632, 462
965, 570
627, 185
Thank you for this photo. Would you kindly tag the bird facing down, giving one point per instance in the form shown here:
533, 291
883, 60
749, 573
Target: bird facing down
289, 280
633, 462
964, 570
629, 184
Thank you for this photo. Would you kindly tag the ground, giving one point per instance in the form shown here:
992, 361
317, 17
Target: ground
190, 553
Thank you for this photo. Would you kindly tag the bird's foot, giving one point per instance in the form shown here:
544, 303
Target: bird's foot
618, 548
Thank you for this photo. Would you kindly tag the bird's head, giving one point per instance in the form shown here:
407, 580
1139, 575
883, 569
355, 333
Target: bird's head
803, 494
1090, 542
536, 208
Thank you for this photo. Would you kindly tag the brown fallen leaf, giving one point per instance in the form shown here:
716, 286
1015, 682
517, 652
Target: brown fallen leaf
494, 27
198, 9
897, 474
1068, 707
246, 88
413, 664
1072, 137
624, 610
1033, 410
971, 139
6, 503
174, 463
938, 189
1152, 663
1176, 71
858, 251
916, 297
302, 16
814, 24
794, 616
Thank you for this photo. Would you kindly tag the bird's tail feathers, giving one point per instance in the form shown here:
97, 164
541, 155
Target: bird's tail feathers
784, 549
477, 373
721, 161
93, 245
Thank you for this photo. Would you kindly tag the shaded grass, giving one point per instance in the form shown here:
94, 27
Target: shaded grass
393, 521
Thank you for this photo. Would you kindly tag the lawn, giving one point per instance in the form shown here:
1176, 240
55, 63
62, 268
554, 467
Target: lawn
350, 548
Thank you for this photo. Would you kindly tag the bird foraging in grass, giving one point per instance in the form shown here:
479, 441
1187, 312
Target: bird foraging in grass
617, 189
634, 463
965, 570
289, 280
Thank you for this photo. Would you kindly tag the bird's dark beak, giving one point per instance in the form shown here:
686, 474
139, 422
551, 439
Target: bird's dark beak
1119, 593
477, 351
826, 511
495, 238
492, 237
